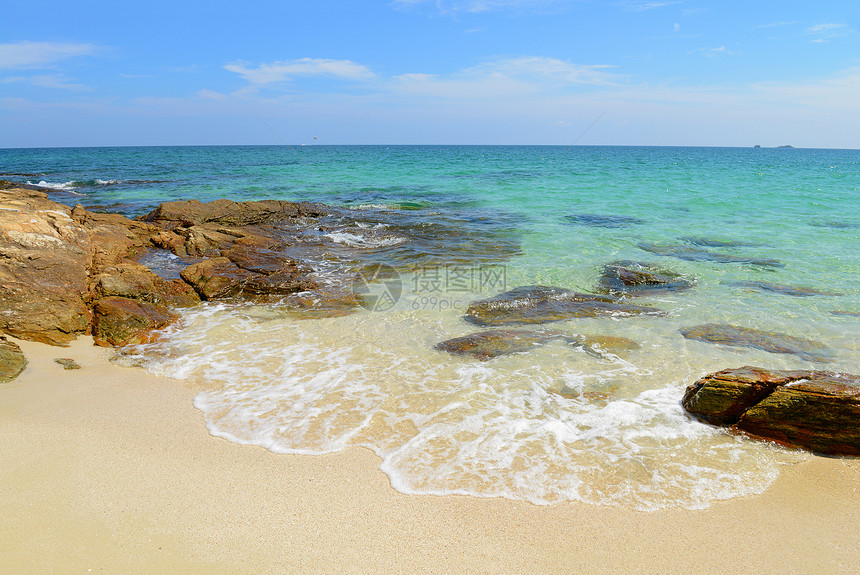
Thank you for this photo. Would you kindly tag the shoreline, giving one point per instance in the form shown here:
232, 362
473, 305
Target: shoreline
111, 469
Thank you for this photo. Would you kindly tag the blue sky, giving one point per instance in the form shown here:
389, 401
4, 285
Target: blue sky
625, 72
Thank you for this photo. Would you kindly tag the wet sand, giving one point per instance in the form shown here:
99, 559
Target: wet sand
108, 469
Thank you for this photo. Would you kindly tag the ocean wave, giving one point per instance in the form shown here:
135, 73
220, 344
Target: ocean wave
362, 241
527, 427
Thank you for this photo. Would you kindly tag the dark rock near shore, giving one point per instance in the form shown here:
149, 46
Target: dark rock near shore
543, 304
12, 360
637, 278
493, 343
121, 321
815, 410
767, 341
689, 253
796, 291
220, 278
230, 213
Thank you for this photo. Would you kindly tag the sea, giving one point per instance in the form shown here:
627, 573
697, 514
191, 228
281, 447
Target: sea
552, 424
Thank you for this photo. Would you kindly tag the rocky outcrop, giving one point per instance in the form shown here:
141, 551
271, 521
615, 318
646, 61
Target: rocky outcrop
66, 272
543, 304
12, 360
637, 278
815, 410
768, 341
45, 257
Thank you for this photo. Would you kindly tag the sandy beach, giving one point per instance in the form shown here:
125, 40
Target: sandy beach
108, 469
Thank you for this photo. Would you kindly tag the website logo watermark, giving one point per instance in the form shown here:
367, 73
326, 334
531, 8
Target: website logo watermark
434, 287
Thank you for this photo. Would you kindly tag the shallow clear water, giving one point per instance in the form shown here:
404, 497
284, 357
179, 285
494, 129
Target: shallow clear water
549, 425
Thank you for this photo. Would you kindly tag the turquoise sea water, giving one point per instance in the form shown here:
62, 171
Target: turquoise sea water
550, 425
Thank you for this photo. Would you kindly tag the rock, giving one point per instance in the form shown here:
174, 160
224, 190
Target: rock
637, 278
815, 410
712, 243
603, 220
613, 344
689, 253
542, 304
782, 289
135, 281
121, 321
220, 278
45, 256
12, 360
767, 341
226, 212
67, 363
493, 343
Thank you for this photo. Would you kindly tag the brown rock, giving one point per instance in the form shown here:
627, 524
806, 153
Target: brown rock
768, 341
135, 281
542, 304
815, 410
121, 321
44, 262
637, 278
12, 360
226, 212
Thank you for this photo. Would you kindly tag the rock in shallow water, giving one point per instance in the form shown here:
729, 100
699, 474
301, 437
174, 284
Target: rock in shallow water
815, 410
543, 304
764, 340
603, 220
795, 291
689, 253
493, 343
637, 278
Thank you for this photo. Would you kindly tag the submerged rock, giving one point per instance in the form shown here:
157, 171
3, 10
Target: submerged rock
543, 304
815, 410
689, 253
712, 243
767, 341
12, 360
845, 313
493, 343
795, 291
603, 220
637, 278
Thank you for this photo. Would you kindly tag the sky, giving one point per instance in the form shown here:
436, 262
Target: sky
554, 72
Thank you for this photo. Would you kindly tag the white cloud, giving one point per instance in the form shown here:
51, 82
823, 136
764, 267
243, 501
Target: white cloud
477, 6
284, 71
53, 81
24, 55
827, 32
643, 5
